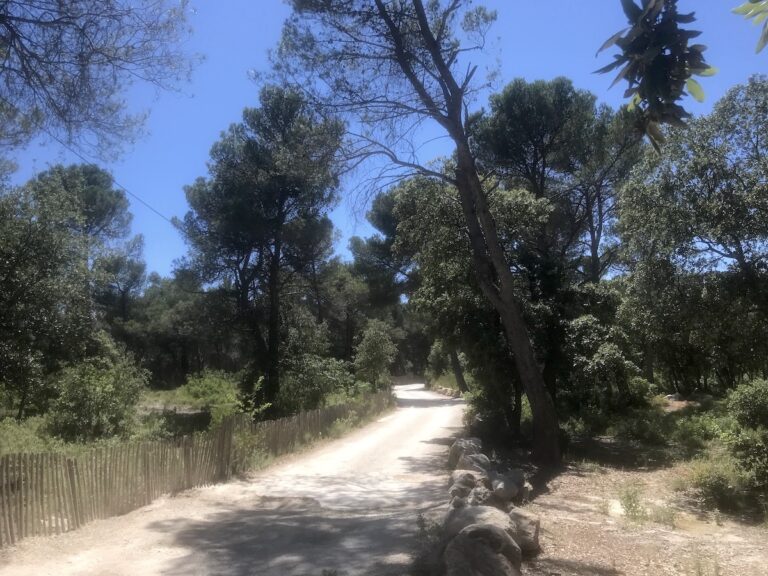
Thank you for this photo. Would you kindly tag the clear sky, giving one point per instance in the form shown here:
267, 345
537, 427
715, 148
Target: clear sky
534, 40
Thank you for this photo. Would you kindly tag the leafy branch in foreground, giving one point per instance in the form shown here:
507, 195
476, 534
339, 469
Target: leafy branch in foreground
658, 62
757, 11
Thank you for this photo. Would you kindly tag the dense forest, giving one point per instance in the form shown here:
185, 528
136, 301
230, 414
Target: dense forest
565, 264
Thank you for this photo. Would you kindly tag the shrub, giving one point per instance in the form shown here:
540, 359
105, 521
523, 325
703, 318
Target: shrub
97, 398
26, 436
631, 500
718, 478
692, 433
311, 380
749, 403
214, 391
437, 361
374, 354
644, 425
750, 448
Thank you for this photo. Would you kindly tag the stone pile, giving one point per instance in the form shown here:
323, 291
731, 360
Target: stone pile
487, 532
446, 391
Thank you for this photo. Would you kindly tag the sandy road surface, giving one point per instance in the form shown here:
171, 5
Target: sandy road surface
349, 505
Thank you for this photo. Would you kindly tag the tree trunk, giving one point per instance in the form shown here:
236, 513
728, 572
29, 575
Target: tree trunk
272, 384
497, 284
517, 411
458, 373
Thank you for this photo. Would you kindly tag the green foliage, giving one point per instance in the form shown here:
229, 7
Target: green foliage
311, 380
44, 318
657, 61
719, 479
437, 361
750, 448
30, 435
757, 11
214, 391
646, 426
100, 48
97, 397
748, 403
374, 354
631, 500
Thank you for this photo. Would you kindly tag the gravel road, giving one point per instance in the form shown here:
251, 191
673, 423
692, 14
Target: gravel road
348, 506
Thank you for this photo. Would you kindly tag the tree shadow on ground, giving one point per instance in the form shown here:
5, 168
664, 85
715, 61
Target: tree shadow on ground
355, 526
615, 453
427, 402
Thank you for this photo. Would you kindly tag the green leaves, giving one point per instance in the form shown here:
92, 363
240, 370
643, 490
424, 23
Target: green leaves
757, 11
695, 89
657, 62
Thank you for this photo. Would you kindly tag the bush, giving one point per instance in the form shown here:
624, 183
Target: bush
374, 354
750, 448
749, 403
718, 478
26, 436
644, 425
97, 398
437, 361
214, 391
311, 380
691, 434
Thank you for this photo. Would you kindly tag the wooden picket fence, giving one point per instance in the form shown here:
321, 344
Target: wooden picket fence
47, 494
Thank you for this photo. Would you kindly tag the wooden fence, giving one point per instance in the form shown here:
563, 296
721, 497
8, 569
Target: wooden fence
46, 494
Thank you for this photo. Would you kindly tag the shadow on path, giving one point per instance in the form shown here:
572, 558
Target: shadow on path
357, 525
427, 402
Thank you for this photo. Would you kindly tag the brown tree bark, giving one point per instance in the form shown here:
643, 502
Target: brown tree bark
458, 373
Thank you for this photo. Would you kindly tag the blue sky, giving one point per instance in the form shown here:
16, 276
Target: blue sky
533, 40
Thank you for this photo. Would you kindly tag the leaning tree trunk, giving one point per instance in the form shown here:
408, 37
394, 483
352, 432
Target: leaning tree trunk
494, 275
497, 284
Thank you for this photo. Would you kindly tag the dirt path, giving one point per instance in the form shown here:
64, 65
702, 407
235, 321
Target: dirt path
586, 533
348, 506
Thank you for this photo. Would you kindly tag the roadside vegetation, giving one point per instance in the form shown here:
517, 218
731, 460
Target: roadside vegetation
584, 274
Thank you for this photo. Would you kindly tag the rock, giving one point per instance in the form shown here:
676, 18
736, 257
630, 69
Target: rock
479, 462
497, 539
479, 496
460, 490
456, 394
457, 520
526, 530
504, 490
466, 555
457, 502
508, 485
470, 478
521, 525
461, 447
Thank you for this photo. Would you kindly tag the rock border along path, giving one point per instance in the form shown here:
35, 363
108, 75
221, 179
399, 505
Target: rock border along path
349, 506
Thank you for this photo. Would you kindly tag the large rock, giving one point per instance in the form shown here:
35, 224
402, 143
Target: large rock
461, 447
527, 527
458, 519
521, 525
479, 462
470, 555
497, 539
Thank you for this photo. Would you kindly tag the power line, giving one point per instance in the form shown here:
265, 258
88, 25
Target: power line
116, 183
